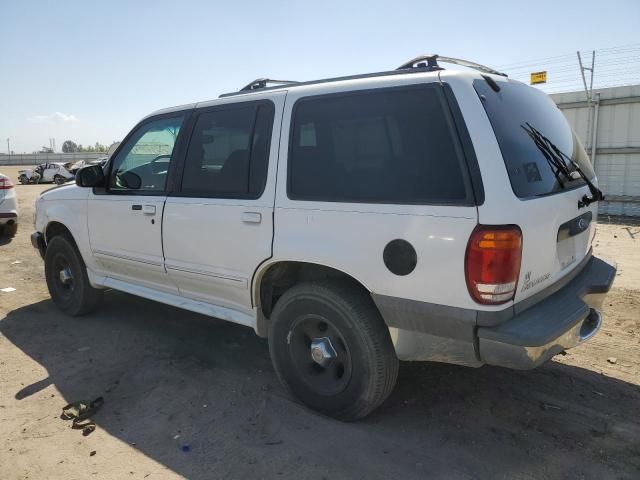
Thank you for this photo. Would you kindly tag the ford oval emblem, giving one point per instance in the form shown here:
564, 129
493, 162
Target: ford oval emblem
582, 224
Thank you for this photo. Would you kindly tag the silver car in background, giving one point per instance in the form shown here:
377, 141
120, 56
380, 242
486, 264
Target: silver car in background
8, 207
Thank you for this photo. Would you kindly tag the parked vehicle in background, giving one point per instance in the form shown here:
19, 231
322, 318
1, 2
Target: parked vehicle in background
419, 214
55, 172
8, 207
73, 168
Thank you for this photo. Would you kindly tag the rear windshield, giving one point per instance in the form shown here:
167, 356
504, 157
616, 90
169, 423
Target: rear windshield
514, 110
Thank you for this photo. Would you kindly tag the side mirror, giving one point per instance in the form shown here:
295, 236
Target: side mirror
91, 176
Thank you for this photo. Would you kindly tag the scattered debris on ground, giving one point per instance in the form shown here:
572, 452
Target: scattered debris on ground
80, 412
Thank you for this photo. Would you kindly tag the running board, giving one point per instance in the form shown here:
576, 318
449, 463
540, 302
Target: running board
208, 309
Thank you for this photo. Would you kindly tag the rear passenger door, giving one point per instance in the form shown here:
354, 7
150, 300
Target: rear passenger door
218, 227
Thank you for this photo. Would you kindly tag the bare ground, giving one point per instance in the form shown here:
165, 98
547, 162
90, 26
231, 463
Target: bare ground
187, 396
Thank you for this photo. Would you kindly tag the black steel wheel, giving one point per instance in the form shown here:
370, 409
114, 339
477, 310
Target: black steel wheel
67, 279
320, 354
332, 350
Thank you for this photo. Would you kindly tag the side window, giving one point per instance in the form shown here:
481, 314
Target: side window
393, 145
229, 152
143, 163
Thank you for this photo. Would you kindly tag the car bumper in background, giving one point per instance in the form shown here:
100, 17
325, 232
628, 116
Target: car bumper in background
8, 218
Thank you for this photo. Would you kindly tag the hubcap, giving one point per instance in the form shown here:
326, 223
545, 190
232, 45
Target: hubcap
320, 355
65, 276
322, 351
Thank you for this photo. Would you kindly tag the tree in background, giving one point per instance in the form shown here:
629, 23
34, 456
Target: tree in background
46, 150
98, 147
69, 146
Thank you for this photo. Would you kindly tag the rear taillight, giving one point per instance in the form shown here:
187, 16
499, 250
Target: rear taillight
5, 183
492, 264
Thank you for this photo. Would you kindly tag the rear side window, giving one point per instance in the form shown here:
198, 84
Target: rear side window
380, 146
229, 152
514, 110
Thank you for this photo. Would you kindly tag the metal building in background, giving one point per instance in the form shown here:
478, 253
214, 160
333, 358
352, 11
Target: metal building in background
615, 116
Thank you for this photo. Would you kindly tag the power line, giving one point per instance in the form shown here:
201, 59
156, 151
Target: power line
614, 66
560, 58
602, 61
568, 67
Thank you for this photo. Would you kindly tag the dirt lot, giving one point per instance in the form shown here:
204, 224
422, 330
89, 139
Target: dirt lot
187, 396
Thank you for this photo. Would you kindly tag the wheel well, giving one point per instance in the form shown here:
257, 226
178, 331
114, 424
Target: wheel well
56, 228
283, 275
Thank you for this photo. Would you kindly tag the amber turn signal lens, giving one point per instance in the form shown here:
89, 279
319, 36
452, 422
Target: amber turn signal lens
492, 264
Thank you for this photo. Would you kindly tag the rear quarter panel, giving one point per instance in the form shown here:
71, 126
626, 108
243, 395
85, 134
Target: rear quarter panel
351, 237
538, 218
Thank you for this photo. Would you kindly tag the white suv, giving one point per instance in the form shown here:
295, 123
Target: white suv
417, 214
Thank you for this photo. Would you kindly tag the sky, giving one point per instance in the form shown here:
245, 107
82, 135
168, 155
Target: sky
88, 71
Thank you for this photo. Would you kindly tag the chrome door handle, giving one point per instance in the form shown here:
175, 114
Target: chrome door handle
252, 217
149, 209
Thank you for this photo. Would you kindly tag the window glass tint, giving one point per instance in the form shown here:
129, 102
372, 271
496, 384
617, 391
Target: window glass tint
143, 163
516, 107
228, 152
393, 146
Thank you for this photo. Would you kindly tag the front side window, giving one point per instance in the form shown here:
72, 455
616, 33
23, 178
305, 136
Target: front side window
228, 152
143, 163
384, 146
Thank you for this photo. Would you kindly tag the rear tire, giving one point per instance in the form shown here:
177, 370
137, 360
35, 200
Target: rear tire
67, 280
362, 365
10, 230
59, 180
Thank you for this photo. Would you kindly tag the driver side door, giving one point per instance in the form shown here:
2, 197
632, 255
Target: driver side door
125, 217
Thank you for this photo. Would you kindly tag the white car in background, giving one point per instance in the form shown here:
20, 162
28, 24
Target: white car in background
46, 173
8, 207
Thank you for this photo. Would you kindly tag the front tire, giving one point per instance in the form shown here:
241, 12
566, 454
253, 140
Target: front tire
59, 180
67, 280
332, 350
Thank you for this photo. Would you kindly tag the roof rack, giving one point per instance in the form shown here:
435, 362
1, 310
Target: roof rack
431, 62
263, 82
428, 63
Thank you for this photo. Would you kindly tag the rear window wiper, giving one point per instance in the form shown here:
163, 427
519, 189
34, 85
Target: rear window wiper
560, 164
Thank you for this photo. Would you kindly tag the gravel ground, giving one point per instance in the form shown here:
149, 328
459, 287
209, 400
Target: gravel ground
188, 396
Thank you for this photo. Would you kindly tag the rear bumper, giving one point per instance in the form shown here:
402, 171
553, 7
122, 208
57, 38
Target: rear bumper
8, 218
521, 337
563, 320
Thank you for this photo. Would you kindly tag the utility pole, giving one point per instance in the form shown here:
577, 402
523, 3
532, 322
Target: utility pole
8, 146
590, 103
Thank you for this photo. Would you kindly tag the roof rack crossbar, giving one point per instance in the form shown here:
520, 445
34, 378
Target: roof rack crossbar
263, 82
432, 64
